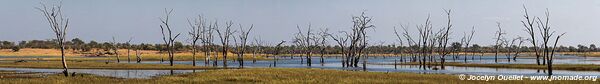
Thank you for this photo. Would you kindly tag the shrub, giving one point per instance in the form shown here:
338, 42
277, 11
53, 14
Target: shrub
16, 48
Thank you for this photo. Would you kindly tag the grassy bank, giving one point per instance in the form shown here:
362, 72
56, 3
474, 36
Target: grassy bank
276, 75
99, 65
574, 67
585, 54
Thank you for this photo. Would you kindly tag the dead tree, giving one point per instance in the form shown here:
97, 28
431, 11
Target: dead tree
322, 42
138, 56
341, 40
443, 44
529, 28
224, 37
546, 33
258, 44
305, 42
207, 44
551, 57
277, 51
208, 41
498, 41
241, 47
167, 35
411, 43
297, 40
424, 34
468, 41
508, 48
399, 39
128, 49
358, 37
512, 48
115, 48
433, 41
518, 49
196, 33
59, 25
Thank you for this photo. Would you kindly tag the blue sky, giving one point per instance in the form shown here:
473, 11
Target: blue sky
276, 20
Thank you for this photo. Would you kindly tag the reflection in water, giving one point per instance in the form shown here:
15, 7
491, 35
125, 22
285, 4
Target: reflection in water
335, 63
105, 72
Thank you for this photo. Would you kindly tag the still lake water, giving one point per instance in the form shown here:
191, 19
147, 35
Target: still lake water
374, 64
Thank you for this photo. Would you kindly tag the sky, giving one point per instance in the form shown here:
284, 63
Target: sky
276, 20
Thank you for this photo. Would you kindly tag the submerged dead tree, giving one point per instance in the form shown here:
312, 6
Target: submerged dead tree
115, 48
467, 41
196, 33
304, 41
241, 47
277, 51
398, 51
209, 45
425, 31
322, 42
341, 40
224, 37
518, 48
513, 47
411, 44
546, 33
358, 38
128, 46
167, 35
59, 25
529, 28
443, 42
259, 48
498, 41
138, 56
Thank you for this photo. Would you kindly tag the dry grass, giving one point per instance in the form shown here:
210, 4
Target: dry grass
278, 76
100, 65
574, 67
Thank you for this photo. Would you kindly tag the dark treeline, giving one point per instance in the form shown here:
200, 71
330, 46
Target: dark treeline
80, 45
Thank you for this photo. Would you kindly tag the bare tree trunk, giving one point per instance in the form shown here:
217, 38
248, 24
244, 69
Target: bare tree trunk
198, 30
531, 31
551, 57
168, 35
128, 56
62, 56
224, 36
194, 54
116, 49
241, 48
277, 50
59, 25
128, 48
498, 44
138, 56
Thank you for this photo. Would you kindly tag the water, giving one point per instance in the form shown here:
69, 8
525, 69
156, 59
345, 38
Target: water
374, 65
559, 59
107, 72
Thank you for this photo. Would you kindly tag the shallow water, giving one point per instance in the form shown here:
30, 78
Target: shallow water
107, 72
373, 64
